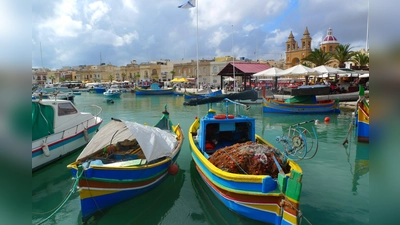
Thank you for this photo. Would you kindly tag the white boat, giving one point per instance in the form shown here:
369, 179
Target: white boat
59, 128
112, 92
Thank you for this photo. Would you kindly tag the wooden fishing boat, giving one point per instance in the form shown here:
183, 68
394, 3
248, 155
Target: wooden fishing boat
245, 172
362, 117
154, 90
123, 160
304, 103
59, 128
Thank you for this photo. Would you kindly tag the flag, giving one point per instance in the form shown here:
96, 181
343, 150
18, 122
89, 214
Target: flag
189, 4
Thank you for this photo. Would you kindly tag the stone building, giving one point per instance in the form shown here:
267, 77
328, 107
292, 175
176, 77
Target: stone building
294, 53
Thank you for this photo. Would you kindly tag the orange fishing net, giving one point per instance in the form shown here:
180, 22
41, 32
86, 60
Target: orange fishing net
249, 158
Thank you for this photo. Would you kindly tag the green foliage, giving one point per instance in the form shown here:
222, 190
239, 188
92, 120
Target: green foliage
361, 59
318, 57
343, 54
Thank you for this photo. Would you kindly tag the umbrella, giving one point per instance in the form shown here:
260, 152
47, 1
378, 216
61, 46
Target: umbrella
328, 70
271, 72
298, 70
179, 80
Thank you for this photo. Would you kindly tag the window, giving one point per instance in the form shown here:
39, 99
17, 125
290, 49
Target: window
66, 109
214, 70
330, 48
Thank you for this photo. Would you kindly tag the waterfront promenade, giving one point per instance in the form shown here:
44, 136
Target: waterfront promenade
346, 100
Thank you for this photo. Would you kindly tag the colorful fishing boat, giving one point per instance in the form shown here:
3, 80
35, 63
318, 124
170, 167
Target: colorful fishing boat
304, 102
59, 128
362, 117
123, 160
245, 172
154, 90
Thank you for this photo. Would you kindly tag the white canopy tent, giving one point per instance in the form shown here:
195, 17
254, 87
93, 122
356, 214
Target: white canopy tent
271, 72
299, 70
328, 70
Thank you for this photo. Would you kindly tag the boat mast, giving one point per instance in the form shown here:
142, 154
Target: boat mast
233, 65
366, 42
197, 46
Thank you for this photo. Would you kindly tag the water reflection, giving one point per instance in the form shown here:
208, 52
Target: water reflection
360, 166
213, 210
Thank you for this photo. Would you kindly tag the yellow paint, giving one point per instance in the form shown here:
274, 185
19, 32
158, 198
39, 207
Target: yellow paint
271, 208
290, 218
85, 193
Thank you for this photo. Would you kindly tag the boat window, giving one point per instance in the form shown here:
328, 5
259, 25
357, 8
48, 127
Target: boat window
66, 109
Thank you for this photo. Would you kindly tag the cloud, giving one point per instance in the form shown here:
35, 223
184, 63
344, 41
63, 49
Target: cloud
217, 37
129, 4
62, 23
96, 11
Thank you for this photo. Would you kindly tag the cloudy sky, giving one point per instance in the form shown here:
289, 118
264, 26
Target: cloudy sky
72, 32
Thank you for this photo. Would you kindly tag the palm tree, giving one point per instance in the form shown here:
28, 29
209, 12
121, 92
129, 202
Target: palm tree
361, 59
319, 57
343, 53
123, 76
137, 76
173, 74
52, 79
111, 77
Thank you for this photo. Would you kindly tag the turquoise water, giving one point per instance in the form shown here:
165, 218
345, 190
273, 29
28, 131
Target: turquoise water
335, 182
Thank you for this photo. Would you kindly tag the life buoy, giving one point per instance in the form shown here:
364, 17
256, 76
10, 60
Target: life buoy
85, 134
45, 149
223, 116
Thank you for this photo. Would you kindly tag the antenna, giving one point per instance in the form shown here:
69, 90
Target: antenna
41, 57
101, 60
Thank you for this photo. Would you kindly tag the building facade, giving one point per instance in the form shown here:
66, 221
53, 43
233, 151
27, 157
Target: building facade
294, 53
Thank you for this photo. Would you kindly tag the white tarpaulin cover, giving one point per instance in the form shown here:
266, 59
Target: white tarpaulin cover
155, 143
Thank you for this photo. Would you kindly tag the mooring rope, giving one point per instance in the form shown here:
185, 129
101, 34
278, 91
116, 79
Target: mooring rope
71, 191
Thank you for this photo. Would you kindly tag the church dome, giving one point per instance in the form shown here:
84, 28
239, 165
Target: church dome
329, 38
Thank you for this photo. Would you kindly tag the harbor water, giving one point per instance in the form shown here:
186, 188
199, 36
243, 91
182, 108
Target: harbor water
335, 182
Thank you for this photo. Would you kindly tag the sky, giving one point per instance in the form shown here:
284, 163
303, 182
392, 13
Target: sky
86, 32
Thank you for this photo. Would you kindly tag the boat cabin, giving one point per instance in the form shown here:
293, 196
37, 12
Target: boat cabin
221, 130
49, 115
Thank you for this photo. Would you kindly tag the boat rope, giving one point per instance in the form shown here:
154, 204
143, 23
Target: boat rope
235, 161
71, 191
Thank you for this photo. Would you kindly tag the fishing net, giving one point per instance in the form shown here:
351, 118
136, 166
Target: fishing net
249, 158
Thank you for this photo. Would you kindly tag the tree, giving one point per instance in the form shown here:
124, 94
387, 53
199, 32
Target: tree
111, 77
123, 76
52, 79
343, 54
361, 59
173, 74
319, 57
137, 76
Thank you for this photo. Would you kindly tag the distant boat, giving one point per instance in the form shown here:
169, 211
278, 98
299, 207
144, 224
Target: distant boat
59, 128
154, 90
304, 101
112, 93
201, 95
